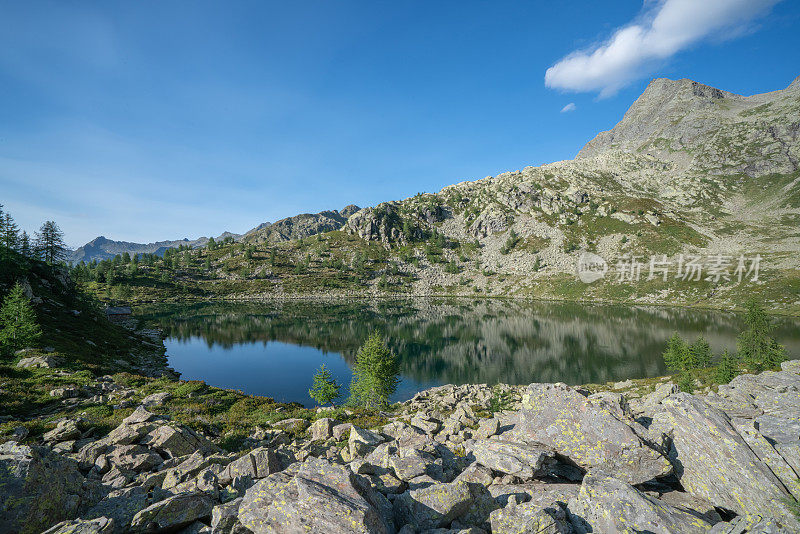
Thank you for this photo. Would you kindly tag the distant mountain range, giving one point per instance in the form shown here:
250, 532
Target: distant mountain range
297, 227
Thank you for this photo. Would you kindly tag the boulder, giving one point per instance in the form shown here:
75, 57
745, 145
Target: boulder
707, 451
410, 465
38, 362
487, 428
39, 488
435, 506
177, 441
257, 463
173, 512
587, 433
65, 430
225, 518
529, 517
101, 525
362, 441
511, 458
322, 429
317, 496
156, 399
133, 458
610, 505
340, 431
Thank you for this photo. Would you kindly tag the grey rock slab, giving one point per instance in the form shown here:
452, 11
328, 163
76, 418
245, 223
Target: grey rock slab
317, 496
174, 512
434, 506
588, 434
529, 517
225, 518
362, 441
322, 428
714, 462
39, 488
512, 458
101, 525
610, 505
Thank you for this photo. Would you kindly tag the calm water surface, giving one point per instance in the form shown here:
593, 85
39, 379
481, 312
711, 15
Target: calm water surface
274, 348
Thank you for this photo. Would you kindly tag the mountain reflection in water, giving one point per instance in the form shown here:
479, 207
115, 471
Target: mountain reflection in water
273, 348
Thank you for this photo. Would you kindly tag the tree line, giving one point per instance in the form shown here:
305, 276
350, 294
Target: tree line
47, 244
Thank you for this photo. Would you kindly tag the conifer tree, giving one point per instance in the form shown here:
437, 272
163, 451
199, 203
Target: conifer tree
18, 327
50, 243
25, 245
375, 374
325, 389
677, 354
756, 348
727, 369
699, 353
10, 233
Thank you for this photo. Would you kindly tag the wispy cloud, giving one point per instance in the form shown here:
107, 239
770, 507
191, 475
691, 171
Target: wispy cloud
658, 33
569, 107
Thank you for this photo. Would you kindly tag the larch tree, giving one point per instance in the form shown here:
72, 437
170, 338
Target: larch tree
50, 243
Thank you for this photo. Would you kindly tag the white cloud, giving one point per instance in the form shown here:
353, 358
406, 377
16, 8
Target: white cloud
569, 107
659, 33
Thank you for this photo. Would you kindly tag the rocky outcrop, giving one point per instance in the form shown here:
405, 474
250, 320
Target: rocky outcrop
300, 226
39, 488
318, 496
587, 432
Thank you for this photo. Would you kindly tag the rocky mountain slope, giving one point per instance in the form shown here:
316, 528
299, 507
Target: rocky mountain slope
299, 226
692, 199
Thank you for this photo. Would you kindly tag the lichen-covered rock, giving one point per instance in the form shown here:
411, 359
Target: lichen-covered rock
511, 458
37, 488
714, 462
177, 441
257, 463
529, 517
434, 506
225, 518
64, 431
318, 497
174, 512
101, 525
610, 505
322, 428
588, 434
362, 441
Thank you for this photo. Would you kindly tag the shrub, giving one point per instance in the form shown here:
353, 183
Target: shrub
375, 374
325, 389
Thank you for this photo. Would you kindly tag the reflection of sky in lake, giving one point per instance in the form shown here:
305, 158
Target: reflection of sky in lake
274, 348
273, 369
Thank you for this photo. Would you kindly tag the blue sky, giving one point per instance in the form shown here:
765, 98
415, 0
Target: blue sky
144, 121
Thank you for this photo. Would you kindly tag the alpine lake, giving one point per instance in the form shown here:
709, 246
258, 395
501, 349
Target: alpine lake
273, 348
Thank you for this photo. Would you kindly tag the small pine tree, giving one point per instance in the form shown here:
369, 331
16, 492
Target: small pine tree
325, 389
699, 353
677, 354
375, 375
18, 327
686, 382
727, 369
755, 346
